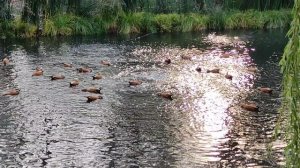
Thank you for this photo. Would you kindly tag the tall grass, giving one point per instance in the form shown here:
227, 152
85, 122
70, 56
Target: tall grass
253, 19
141, 22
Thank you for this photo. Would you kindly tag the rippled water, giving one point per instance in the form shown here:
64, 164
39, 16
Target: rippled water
50, 124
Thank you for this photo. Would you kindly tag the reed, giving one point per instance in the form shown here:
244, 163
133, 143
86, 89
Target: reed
142, 22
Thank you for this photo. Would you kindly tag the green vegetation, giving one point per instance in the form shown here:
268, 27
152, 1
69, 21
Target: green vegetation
85, 17
141, 22
290, 67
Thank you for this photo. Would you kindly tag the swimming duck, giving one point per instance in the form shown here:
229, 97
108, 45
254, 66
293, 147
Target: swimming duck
135, 82
93, 98
5, 61
105, 63
39, 69
97, 76
84, 70
186, 57
198, 69
168, 61
38, 73
227, 76
92, 90
166, 95
225, 55
252, 69
249, 106
57, 77
213, 71
67, 65
12, 92
265, 90
74, 82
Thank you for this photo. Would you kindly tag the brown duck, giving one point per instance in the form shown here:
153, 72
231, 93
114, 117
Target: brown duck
5, 61
74, 82
38, 73
92, 90
57, 77
225, 55
93, 98
12, 92
168, 61
198, 69
213, 71
105, 63
97, 76
186, 57
67, 65
166, 95
252, 69
249, 106
39, 69
84, 70
265, 90
227, 76
135, 82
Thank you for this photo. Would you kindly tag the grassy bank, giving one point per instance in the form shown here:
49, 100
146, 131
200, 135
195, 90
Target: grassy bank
126, 23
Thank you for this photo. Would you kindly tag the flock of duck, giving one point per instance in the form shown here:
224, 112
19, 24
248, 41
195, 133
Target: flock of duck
40, 72
167, 95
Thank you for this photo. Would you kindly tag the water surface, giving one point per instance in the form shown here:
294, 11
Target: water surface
50, 124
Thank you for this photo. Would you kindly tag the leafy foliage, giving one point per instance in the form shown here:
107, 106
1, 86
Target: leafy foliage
290, 67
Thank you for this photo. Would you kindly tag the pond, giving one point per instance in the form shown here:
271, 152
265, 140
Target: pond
50, 124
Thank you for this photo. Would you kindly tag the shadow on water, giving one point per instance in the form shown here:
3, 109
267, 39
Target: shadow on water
50, 125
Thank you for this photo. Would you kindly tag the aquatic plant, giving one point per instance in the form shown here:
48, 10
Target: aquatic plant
216, 19
130, 23
143, 22
290, 68
167, 22
148, 23
23, 29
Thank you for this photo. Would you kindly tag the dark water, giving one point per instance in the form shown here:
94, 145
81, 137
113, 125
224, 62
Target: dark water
50, 124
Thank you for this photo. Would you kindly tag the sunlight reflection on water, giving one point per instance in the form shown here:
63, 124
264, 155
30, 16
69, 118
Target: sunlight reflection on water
202, 126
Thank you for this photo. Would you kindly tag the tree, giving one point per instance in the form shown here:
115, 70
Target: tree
5, 9
290, 67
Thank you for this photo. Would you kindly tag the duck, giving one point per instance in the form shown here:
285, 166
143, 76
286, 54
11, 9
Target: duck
226, 55
74, 82
84, 70
67, 65
5, 61
217, 70
92, 90
38, 73
135, 82
198, 69
39, 68
97, 76
265, 90
93, 98
252, 69
166, 95
57, 77
227, 76
107, 63
168, 61
186, 57
12, 92
250, 106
